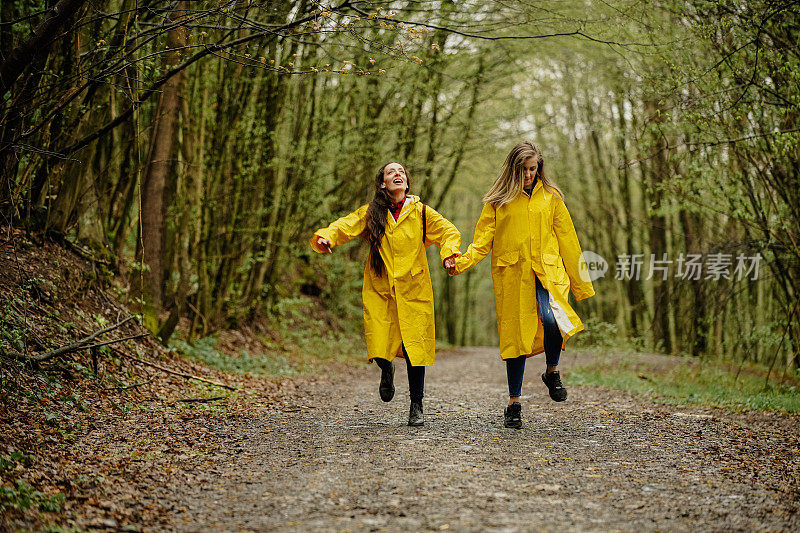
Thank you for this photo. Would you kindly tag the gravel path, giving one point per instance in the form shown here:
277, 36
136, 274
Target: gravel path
603, 460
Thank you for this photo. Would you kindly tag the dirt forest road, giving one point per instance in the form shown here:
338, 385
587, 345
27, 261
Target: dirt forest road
604, 460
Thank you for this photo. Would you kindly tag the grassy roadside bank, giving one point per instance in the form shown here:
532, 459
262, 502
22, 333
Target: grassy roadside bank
688, 380
299, 339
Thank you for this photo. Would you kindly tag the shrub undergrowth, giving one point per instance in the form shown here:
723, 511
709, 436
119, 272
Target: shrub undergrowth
304, 343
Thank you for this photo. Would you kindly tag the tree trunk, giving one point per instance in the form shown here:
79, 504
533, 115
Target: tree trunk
157, 170
659, 171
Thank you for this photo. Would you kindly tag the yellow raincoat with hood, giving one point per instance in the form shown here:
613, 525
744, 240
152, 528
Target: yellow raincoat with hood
398, 306
530, 236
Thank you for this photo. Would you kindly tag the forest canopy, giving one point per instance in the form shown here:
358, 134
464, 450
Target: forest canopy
193, 147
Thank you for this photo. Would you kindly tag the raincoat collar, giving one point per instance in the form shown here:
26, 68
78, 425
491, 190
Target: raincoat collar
395, 209
536, 183
536, 187
407, 208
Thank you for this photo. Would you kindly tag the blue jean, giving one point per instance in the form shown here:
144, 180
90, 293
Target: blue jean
515, 368
416, 377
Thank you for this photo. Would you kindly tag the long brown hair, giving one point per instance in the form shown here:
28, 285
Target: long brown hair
509, 183
377, 212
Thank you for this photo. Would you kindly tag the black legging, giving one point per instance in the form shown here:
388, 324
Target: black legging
416, 377
515, 367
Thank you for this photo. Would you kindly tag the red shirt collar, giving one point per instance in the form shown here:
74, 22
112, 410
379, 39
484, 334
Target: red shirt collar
396, 208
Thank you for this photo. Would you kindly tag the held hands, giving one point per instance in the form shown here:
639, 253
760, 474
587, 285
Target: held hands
325, 244
450, 264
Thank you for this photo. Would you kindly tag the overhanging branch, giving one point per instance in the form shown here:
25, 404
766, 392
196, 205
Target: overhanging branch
35, 45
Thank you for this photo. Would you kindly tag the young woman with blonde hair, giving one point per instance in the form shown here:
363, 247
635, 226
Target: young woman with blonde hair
397, 292
536, 259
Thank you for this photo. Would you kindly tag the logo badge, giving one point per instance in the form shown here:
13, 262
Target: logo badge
592, 266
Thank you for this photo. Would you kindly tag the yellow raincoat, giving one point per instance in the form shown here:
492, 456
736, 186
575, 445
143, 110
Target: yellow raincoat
398, 306
527, 236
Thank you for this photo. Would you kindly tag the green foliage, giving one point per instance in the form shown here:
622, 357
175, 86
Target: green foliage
9, 463
204, 350
12, 330
604, 337
21, 496
305, 342
342, 292
764, 338
600, 335
690, 381
75, 400
311, 336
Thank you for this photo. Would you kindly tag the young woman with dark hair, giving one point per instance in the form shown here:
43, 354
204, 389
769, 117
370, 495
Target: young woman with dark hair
536, 259
397, 292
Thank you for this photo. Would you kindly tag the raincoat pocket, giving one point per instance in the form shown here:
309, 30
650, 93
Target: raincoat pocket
508, 258
418, 286
554, 269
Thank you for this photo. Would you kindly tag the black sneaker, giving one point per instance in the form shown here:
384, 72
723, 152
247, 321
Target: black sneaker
415, 414
386, 388
513, 416
553, 381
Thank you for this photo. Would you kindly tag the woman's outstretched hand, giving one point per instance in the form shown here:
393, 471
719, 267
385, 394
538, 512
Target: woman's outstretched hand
450, 264
325, 244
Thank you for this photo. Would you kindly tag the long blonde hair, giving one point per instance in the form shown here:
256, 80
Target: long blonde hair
509, 183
